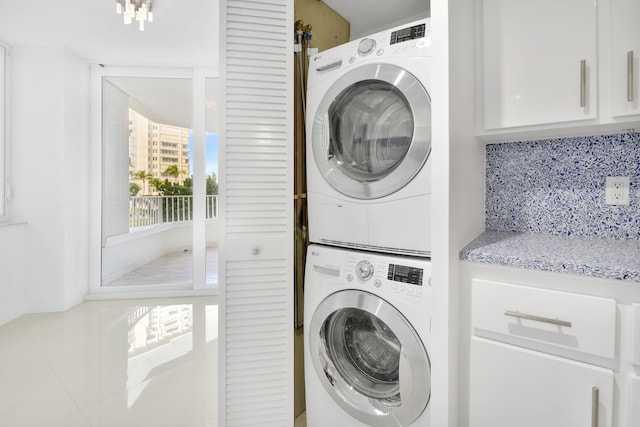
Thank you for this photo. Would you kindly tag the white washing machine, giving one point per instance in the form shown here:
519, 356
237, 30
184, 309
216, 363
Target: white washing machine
369, 140
367, 329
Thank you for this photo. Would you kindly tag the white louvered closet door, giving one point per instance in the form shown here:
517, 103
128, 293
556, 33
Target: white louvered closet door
256, 222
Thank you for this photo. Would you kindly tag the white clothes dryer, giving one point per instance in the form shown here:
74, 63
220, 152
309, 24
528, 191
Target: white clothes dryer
369, 140
367, 330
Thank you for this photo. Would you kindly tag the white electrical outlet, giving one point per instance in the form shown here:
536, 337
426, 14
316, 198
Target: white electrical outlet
617, 190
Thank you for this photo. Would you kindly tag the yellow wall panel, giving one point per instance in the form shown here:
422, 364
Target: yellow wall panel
329, 29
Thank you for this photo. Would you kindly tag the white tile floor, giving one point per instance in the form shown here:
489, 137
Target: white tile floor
130, 363
172, 269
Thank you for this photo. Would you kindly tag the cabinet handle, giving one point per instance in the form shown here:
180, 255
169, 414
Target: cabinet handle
595, 400
630, 76
533, 317
583, 83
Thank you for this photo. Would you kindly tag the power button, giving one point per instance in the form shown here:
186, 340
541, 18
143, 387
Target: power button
366, 46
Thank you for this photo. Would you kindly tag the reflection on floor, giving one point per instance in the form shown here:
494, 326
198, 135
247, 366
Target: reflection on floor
171, 269
137, 363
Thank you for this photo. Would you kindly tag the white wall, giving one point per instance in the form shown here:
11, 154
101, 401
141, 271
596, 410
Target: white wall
49, 172
76, 176
356, 35
458, 199
466, 179
13, 271
115, 186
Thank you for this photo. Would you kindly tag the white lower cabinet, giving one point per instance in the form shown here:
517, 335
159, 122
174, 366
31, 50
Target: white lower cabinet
635, 336
538, 344
516, 387
634, 380
544, 319
634, 401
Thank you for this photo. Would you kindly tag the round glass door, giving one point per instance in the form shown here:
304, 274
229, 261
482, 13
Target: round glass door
365, 352
370, 359
372, 131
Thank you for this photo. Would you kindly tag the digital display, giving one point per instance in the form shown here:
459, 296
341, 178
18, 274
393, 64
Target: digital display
404, 274
410, 33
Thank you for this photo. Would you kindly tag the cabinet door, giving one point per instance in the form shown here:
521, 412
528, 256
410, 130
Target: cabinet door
510, 386
635, 334
625, 57
634, 401
532, 62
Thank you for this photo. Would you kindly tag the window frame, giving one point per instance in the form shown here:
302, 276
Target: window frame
98, 73
4, 133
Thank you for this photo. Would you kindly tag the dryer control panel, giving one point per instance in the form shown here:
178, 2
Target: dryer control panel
409, 33
411, 40
405, 274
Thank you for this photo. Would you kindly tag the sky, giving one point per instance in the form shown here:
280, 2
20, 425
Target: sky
212, 153
211, 150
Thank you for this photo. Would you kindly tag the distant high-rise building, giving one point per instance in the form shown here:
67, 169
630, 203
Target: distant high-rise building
155, 148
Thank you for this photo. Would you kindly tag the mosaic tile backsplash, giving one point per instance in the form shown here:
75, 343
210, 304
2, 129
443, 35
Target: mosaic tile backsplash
557, 186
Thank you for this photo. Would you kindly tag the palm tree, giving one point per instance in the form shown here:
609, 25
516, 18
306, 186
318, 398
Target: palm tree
173, 172
134, 189
212, 183
158, 184
143, 176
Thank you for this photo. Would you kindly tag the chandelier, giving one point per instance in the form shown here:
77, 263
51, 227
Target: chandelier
138, 9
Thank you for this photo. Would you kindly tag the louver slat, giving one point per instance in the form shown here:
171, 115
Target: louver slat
256, 313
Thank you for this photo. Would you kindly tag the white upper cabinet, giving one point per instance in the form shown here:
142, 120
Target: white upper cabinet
625, 57
551, 68
539, 62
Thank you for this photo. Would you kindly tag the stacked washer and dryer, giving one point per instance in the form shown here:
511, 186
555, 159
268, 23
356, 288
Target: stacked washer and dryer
368, 273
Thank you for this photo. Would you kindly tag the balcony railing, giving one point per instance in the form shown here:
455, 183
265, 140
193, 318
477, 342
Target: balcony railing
147, 211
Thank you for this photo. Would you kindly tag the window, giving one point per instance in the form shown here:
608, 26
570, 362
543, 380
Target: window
148, 228
3, 104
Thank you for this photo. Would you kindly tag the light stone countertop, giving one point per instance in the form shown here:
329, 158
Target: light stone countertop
587, 256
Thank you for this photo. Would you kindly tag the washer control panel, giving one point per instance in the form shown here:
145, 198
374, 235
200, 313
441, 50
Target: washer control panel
398, 277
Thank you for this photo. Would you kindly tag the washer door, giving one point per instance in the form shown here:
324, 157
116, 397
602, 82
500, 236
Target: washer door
370, 359
372, 131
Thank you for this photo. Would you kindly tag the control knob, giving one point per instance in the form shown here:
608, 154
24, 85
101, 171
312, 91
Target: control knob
366, 46
364, 270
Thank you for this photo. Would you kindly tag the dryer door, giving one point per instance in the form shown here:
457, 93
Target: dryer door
370, 359
372, 131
